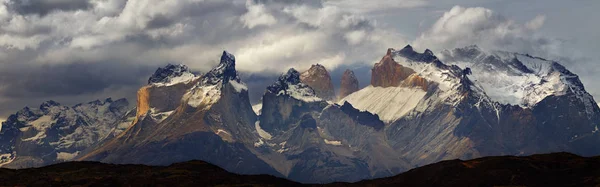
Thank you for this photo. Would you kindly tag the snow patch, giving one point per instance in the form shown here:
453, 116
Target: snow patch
185, 78
6, 158
42, 123
219, 131
332, 142
302, 93
259, 143
64, 156
262, 133
239, 87
160, 116
257, 108
390, 103
203, 95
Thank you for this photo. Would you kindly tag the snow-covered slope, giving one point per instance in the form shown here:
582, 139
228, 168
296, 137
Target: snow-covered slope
389, 103
429, 84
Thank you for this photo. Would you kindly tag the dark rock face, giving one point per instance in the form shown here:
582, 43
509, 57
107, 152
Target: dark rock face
349, 84
317, 77
363, 118
54, 133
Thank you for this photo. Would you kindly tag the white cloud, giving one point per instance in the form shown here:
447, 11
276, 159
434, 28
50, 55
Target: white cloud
536, 22
256, 15
355, 37
461, 27
362, 6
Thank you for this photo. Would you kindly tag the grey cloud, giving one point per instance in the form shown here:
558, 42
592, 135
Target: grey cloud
70, 79
160, 21
43, 7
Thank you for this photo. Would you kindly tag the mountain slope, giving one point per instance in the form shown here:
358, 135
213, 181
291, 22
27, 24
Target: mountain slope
202, 125
310, 140
54, 133
454, 117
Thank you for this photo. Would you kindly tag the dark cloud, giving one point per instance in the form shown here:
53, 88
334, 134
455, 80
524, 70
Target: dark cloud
70, 79
43, 7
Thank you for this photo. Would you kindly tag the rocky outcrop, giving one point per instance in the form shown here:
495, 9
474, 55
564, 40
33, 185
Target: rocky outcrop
349, 84
318, 78
52, 133
388, 73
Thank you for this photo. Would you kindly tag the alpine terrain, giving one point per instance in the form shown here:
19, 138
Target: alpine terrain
52, 133
419, 109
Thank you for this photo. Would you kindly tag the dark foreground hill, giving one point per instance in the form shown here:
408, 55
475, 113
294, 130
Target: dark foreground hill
557, 169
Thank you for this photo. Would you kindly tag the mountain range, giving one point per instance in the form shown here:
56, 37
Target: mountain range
419, 109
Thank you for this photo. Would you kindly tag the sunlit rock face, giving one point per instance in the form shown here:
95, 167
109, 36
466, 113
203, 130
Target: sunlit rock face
319, 79
349, 84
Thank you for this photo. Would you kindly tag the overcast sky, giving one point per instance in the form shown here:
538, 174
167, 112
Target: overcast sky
75, 51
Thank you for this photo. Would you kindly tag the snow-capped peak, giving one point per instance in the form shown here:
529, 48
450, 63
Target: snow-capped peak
224, 72
171, 75
517, 79
290, 84
208, 90
428, 66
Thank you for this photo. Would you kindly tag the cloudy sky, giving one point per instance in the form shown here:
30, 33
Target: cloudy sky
73, 51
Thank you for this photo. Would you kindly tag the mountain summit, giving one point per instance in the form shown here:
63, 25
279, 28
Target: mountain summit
349, 84
317, 77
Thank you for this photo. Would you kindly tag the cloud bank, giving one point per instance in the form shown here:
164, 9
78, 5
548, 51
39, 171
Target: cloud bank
463, 26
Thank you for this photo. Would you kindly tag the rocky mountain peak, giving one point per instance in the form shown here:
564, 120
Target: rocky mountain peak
49, 103
318, 78
225, 71
349, 84
387, 72
290, 84
292, 77
409, 53
168, 73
